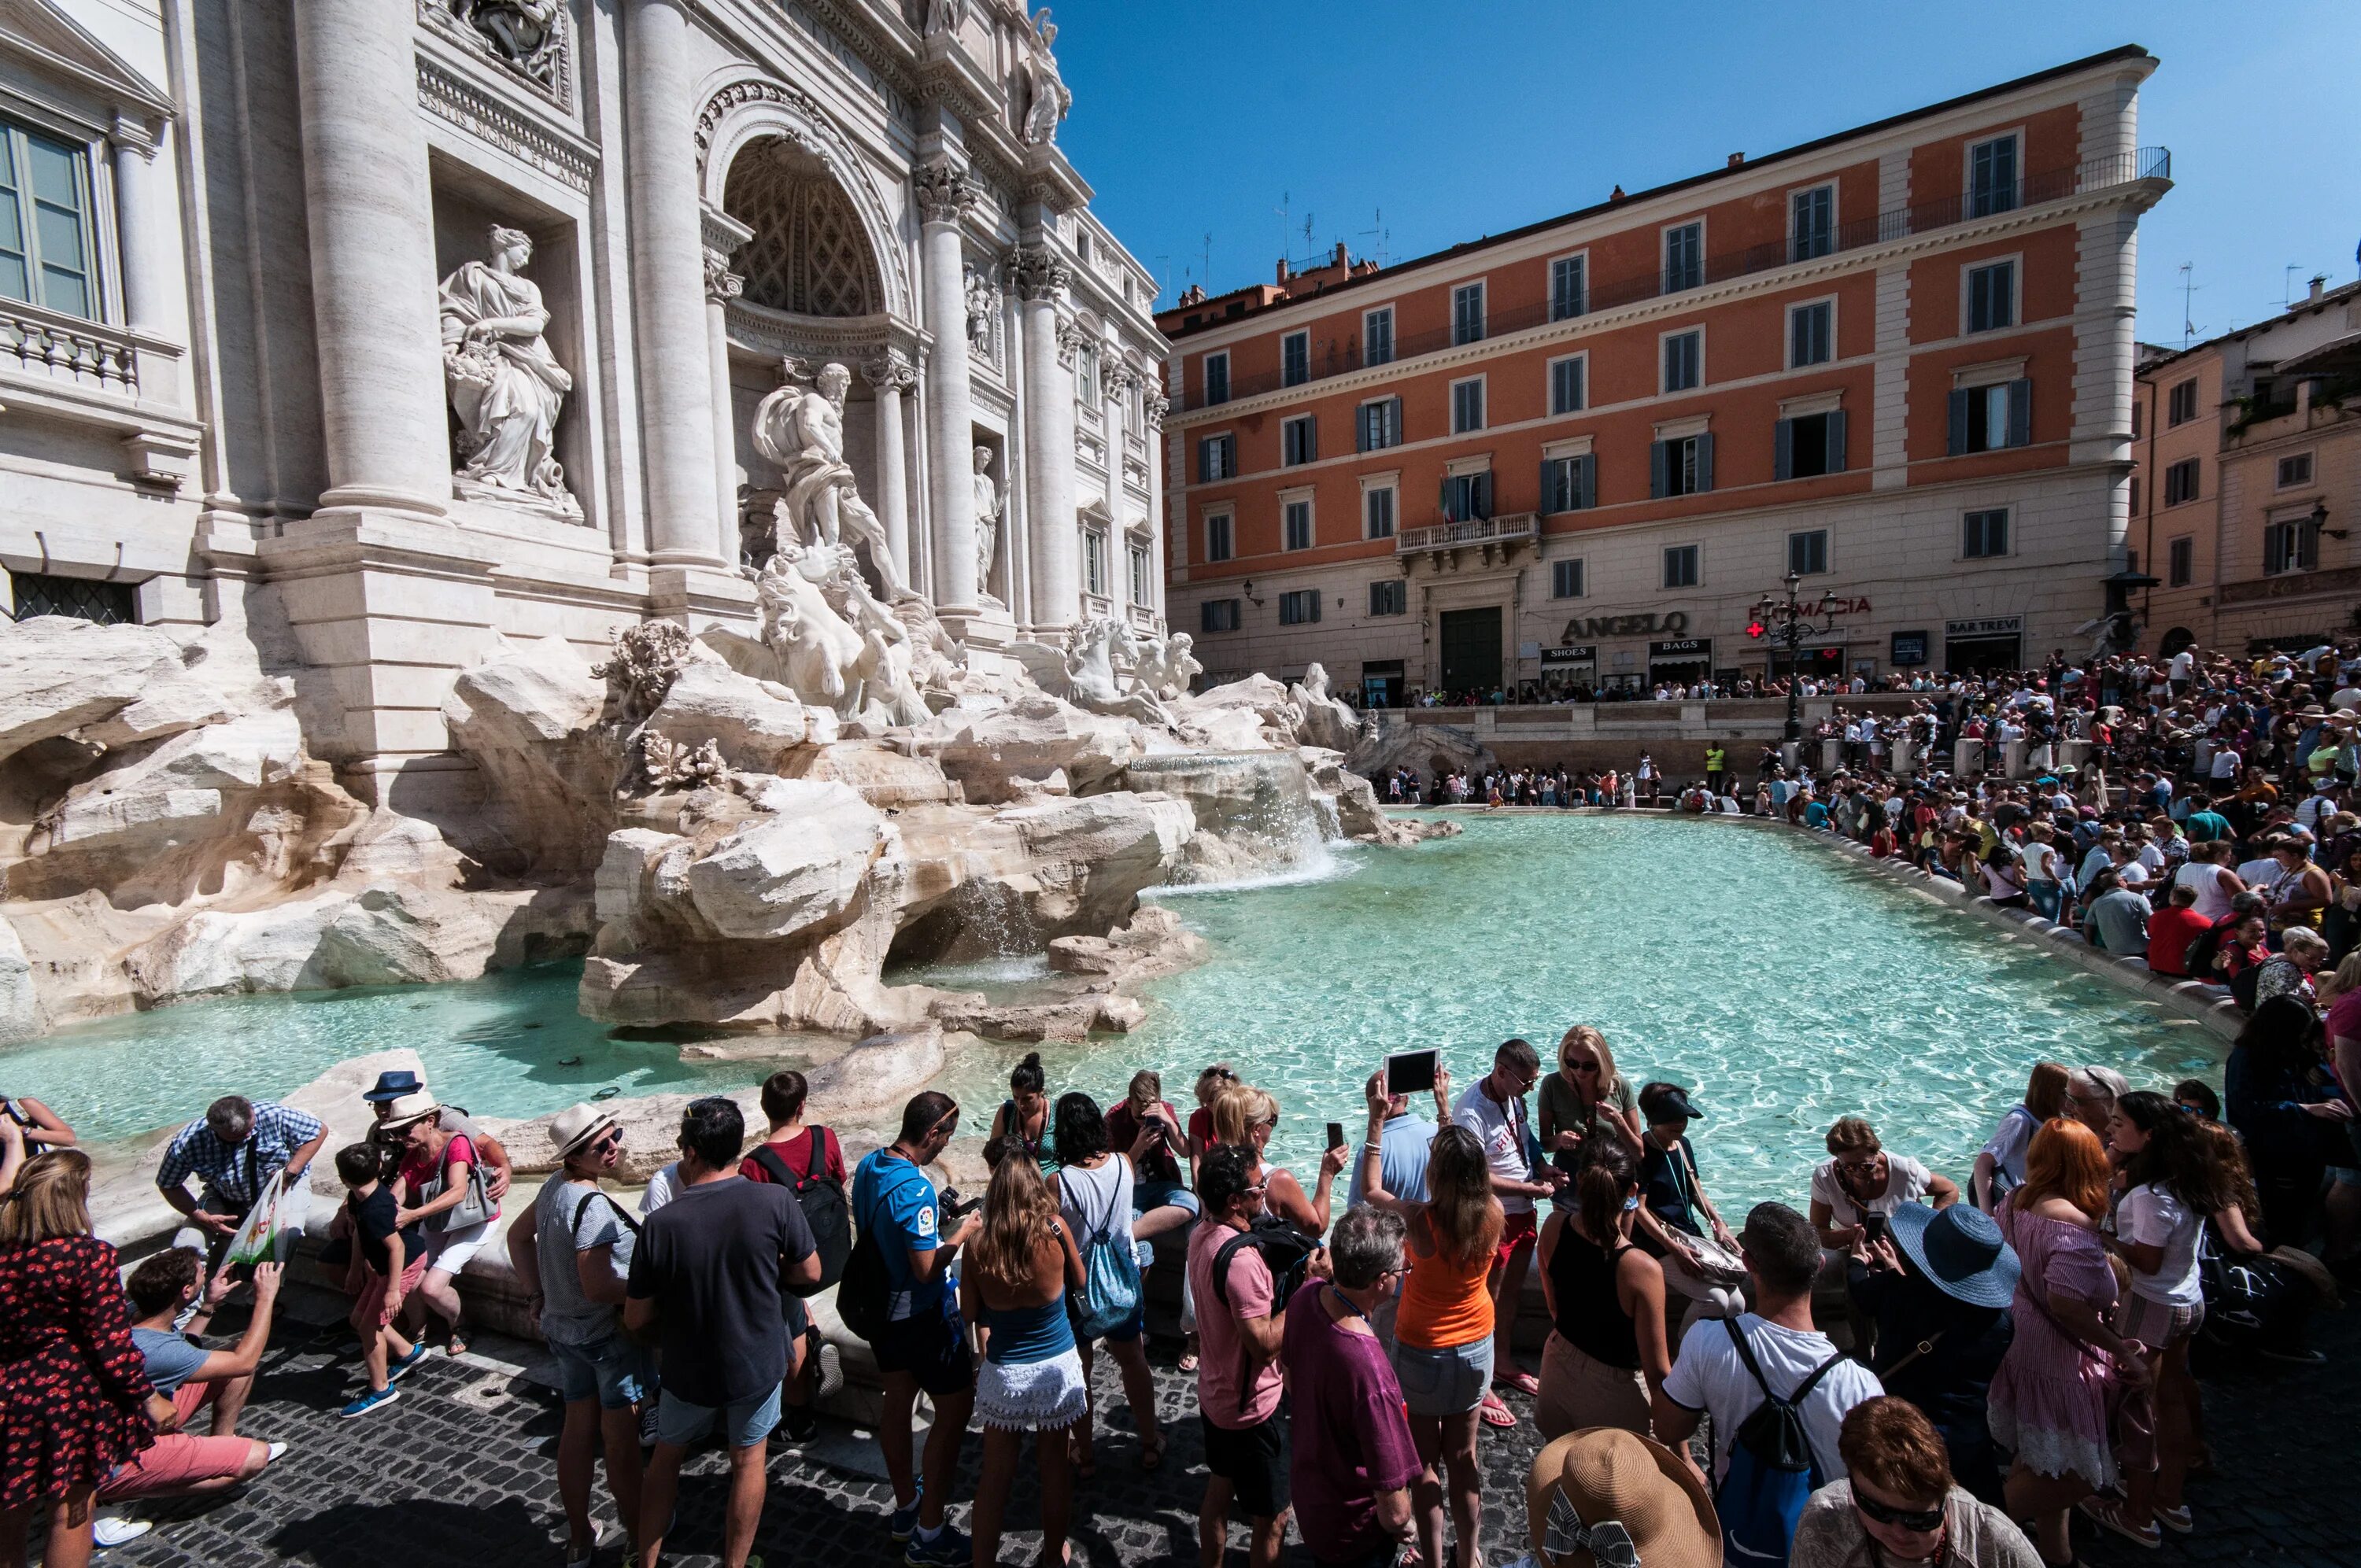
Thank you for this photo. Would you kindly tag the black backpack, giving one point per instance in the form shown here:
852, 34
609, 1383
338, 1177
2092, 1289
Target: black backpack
1286, 1252
864, 1294
821, 1197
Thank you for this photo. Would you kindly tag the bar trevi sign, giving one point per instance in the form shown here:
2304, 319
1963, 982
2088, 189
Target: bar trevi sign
1674, 621
1989, 626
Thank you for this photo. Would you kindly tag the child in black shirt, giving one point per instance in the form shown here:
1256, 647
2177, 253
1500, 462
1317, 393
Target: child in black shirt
393, 1259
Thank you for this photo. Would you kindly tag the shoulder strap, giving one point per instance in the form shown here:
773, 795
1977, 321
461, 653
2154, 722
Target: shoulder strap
1746, 1357
619, 1212
775, 1165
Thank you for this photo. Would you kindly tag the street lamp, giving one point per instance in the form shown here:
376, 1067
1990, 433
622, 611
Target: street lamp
1788, 623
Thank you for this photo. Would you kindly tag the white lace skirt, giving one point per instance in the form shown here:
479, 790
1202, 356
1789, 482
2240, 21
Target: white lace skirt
1032, 1396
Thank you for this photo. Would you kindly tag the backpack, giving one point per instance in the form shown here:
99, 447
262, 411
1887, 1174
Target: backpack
1286, 1252
865, 1292
1771, 1468
821, 1198
1110, 1272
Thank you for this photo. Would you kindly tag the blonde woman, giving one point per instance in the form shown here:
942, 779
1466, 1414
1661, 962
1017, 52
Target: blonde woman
1245, 1117
1019, 1270
1585, 1098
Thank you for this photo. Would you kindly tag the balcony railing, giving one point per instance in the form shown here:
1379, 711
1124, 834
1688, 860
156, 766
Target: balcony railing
1516, 528
1878, 228
68, 349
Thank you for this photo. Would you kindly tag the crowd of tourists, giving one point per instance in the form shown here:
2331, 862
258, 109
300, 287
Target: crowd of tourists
2015, 1338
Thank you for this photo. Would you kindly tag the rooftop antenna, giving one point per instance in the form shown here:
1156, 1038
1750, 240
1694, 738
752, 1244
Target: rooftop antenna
1286, 211
1206, 277
1381, 234
1310, 253
2287, 277
2188, 287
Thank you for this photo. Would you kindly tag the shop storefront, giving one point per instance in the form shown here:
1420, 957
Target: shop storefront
1994, 642
1681, 660
1383, 683
1574, 667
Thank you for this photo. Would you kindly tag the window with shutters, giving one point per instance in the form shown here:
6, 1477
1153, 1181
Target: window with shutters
84, 598
1991, 177
1681, 566
1299, 440
1390, 596
2180, 403
2295, 469
1218, 615
1467, 313
1467, 497
1566, 482
1569, 287
1377, 337
2182, 557
1219, 530
1992, 297
1811, 222
1566, 383
1986, 419
1811, 334
1295, 358
1217, 377
1467, 405
1137, 555
48, 245
1684, 360
1565, 579
1985, 534
1807, 552
1808, 445
1377, 506
1684, 257
2290, 546
1378, 424
1295, 525
1089, 386
1681, 467
1217, 457
1095, 562
1299, 606
2180, 482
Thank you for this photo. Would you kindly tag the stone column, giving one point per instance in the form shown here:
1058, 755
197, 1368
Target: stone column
889, 373
1152, 406
722, 286
1049, 436
945, 192
369, 217
668, 285
154, 293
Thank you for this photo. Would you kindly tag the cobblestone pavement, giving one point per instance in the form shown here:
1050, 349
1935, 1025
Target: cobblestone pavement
459, 1473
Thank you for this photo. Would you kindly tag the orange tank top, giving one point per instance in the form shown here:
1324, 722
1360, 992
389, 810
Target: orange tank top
1444, 1303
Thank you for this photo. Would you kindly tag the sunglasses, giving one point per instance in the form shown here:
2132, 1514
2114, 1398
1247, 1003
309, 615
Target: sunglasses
1584, 1066
606, 1141
1920, 1520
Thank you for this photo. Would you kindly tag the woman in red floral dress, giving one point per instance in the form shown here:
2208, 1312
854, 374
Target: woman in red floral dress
73, 1386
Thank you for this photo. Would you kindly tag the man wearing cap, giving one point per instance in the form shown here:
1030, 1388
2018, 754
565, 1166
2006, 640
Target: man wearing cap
399, 1084
572, 1249
1938, 1287
1672, 1198
234, 1149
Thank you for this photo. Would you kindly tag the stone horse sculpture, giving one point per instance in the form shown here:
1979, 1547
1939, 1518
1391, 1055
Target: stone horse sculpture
1082, 671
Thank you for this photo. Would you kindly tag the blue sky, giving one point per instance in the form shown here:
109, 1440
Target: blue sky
1476, 116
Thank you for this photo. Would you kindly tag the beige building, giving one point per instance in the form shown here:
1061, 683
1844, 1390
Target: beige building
2249, 479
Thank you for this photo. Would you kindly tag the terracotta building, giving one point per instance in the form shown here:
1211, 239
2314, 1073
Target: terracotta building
2248, 480
1897, 360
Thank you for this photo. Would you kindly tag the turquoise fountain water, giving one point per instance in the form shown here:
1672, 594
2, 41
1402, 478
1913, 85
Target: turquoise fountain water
1787, 984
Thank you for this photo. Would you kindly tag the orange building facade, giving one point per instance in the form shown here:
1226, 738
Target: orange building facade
1897, 360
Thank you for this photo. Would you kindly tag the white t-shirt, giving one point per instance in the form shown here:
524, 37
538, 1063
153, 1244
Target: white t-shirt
2225, 764
1502, 1128
1907, 1181
2259, 873
1708, 1377
2184, 664
663, 1188
2152, 1216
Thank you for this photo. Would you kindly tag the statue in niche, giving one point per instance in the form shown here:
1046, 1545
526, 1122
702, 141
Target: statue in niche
506, 386
803, 432
982, 297
1048, 99
523, 32
944, 17
987, 522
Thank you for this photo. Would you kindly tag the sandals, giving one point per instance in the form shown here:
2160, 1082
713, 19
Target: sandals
1151, 1454
1188, 1361
1496, 1413
1517, 1378
2109, 1513
457, 1345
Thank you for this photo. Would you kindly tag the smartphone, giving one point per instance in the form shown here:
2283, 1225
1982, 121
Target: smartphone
954, 1207
1336, 1134
1411, 1072
1872, 1227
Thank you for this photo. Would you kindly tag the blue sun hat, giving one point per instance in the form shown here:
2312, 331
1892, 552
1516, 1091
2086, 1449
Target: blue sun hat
1960, 1249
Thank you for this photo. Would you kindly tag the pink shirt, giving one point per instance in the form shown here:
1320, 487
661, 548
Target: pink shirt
2344, 1019
1222, 1392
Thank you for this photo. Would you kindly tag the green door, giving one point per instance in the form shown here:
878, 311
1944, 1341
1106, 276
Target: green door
1471, 650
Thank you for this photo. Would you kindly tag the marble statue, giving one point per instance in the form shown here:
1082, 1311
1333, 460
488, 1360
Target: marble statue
1048, 98
1083, 672
506, 385
987, 522
944, 17
802, 431
838, 647
1166, 669
1327, 720
981, 299
523, 32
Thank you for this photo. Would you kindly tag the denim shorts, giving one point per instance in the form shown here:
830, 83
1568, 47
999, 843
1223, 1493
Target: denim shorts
743, 1424
614, 1369
1146, 1196
1442, 1383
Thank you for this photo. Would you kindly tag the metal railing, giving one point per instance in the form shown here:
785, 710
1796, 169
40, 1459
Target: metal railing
1878, 228
1512, 527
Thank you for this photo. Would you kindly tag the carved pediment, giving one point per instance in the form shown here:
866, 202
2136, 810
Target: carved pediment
44, 34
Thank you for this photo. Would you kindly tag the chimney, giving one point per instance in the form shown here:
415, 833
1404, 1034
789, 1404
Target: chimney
1616, 194
1339, 260
2319, 283
1735, 160
1283, 270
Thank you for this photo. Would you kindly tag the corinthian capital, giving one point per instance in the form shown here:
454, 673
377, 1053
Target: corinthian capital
1153, 404
890, 371
1037, 273
722, 285
945, 192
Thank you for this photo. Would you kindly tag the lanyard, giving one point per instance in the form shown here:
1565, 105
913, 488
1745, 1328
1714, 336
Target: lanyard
1352, 1308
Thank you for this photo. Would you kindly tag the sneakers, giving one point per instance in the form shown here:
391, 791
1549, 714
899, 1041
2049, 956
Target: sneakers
2178, 1520
375, 1398
904, 1522
108, 1530
949, 1549
648, 1425
277, 1451
2108, 1512
408, 1363
798, 1423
